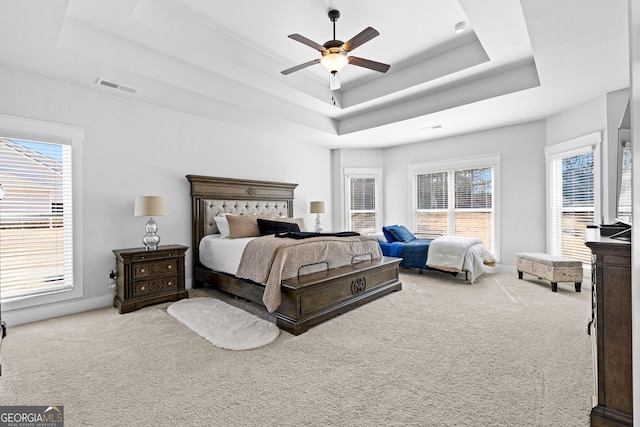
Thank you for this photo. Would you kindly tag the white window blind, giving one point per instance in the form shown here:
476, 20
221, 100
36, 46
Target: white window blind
456, 202
36, 241
362, 190
363, 205
572, 203
432, 214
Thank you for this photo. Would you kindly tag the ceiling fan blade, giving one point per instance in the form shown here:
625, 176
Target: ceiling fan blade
310, 43
367, 63
300, 67
360, 39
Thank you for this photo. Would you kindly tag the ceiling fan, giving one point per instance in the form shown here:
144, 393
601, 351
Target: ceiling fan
334, 52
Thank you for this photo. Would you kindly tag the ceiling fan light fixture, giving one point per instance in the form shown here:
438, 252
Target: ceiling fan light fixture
334, 61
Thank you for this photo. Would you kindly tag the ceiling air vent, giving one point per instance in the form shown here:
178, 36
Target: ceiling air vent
116, 86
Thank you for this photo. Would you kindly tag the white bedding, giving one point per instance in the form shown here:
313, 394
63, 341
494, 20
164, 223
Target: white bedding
222, 254
457, 253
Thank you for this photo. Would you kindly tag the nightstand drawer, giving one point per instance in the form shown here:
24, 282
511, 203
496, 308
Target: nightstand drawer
162, 284
146, 269
151, 255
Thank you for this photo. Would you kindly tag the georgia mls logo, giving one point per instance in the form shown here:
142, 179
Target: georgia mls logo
31, 416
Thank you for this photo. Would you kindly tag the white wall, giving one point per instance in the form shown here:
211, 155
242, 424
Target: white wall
581, 120
131, 149
522, 180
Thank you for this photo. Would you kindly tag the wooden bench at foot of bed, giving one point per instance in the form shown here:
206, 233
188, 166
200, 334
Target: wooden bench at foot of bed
316, 297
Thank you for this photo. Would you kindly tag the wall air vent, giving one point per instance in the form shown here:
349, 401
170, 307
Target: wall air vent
431, 127
116, 86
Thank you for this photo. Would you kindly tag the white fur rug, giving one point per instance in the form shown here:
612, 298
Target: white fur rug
224, 325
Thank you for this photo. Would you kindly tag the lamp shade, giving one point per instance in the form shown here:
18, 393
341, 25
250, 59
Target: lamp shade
318, 207
150, 206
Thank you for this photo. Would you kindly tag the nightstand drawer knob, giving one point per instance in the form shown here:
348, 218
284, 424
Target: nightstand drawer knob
170, 283
169, 267
142, 288
142, 270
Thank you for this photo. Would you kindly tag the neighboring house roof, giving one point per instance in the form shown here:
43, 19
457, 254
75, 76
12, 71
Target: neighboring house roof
42, 169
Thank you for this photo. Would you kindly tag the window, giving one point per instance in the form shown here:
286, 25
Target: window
571, 169
35, 218
37, 221
363, 200
457, 198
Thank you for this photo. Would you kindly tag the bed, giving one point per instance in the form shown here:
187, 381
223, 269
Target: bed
319, 290
453, 254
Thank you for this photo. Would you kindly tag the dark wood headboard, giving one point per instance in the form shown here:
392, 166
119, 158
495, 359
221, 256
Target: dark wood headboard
206, 190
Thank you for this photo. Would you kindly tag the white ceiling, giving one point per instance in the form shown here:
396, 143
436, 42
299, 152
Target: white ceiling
517, 61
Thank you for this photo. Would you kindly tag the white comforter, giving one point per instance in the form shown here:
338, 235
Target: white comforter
458, 253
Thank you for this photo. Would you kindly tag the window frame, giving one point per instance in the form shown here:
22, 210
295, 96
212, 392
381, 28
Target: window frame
363, 173
36, 130
488, 161
572, 147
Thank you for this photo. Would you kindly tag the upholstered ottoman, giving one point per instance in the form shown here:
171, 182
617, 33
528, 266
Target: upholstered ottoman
550, 267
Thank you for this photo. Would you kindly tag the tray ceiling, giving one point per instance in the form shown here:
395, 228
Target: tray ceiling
516, 62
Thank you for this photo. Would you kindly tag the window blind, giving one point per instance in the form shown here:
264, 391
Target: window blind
572, 198
362, 205
36, 241
433, 203
456, 202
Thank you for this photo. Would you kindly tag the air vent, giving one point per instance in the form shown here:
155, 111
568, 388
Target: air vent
431, 127
118, 86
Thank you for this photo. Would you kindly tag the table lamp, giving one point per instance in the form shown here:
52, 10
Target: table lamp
150, 206
317, 207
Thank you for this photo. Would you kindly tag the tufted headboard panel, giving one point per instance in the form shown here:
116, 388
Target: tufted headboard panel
213, 208
211, 196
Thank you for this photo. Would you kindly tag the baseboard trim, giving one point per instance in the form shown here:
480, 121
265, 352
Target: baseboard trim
48, 311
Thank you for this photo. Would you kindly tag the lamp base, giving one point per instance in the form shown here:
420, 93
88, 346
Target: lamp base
318, 224
151, 240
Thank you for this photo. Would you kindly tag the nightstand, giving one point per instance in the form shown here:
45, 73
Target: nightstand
149, 277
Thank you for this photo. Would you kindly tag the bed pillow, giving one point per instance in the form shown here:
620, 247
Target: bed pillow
245, 225
402, 234
223, 226
273, 227
387, 234
299, 221
379, 237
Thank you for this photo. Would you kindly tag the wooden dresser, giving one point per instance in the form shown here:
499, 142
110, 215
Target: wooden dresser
611, 329
148, 277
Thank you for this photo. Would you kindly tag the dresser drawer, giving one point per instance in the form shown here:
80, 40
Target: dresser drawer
162, 284
153, 268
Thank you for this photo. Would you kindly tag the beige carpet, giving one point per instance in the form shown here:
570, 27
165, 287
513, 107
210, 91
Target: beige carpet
501, 352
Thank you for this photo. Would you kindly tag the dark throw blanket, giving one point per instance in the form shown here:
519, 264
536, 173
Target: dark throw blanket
308, 234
